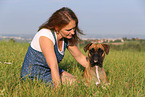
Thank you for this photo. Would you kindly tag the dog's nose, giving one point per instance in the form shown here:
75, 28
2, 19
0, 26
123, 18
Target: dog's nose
95, 59
96, 56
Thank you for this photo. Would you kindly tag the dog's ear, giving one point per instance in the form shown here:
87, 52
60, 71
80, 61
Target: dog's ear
87, 46
107, 48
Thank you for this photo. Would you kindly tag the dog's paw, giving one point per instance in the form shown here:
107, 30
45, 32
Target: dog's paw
105, 86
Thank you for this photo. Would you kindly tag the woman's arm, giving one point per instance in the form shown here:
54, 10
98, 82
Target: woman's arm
81, 58
47, 48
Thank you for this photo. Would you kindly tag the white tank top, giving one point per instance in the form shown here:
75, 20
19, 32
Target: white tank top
43, 32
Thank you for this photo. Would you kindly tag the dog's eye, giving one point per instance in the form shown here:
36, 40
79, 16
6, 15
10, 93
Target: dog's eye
92, 50
100, 51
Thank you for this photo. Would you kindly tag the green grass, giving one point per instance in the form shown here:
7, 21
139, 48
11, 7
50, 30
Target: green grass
125, 71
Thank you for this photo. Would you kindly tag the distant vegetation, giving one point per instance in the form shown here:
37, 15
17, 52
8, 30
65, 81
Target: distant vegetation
133, 44
124, 67
12, 40
130, 45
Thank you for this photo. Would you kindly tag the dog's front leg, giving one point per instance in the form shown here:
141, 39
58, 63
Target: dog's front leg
102, 75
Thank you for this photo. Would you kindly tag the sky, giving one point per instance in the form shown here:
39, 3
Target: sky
96, 17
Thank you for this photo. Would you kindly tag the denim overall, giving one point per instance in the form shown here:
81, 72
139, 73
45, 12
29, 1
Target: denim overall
35, 65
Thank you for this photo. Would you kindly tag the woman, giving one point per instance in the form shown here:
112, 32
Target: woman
48, 46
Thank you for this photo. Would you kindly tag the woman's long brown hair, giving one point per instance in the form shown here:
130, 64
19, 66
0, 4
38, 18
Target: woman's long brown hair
60, 19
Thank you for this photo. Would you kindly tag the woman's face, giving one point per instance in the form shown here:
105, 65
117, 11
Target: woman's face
69, 30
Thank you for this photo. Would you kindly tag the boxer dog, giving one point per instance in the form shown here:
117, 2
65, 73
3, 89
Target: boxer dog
94, 71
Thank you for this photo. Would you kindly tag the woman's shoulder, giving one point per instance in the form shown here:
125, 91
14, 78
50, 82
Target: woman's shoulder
47, 33
44, 31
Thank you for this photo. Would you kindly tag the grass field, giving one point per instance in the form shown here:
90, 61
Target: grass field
125, 69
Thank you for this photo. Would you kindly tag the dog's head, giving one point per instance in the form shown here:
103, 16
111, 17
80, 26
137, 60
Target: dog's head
96, 53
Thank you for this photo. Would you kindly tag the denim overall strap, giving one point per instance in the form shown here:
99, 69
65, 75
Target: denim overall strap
58, 54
